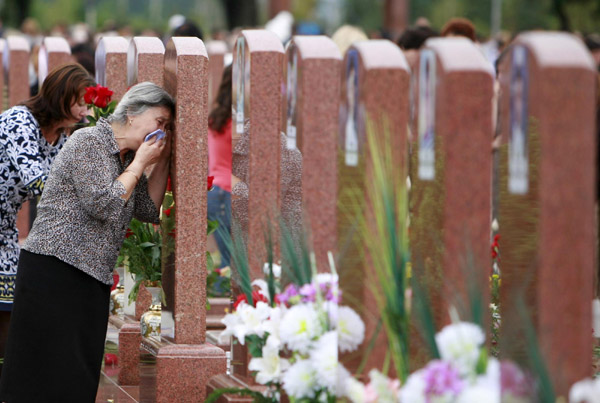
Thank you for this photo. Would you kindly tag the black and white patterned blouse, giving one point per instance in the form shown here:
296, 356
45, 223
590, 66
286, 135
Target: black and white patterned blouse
25, 160
81, 217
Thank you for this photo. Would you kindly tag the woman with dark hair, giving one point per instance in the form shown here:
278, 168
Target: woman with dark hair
31, 135
96, 185
219, 164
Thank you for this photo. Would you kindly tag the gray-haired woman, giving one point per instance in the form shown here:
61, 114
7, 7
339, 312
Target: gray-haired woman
96, 185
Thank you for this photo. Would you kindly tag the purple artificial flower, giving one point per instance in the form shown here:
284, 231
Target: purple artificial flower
441, 379
308, 293
287, 294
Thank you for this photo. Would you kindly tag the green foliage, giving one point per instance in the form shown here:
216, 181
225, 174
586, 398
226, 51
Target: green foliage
52, 12
424, 316
382, 222
255, 345
142, 246
366, 14
295, 256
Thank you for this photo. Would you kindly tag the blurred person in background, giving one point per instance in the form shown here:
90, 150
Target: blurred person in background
219, 164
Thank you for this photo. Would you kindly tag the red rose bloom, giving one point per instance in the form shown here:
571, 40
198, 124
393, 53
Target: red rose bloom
258, 297
128, 233
168, 212
103, 95
210, 182
90, 94
240, 298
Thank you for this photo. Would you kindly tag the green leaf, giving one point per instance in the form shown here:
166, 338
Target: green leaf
209, 262
255, 345
481, 366
211, 226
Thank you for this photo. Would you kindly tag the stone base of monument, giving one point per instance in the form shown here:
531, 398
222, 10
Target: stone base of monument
182, 370
130, 339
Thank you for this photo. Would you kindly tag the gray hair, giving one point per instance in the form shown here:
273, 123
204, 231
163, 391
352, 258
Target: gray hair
139, 99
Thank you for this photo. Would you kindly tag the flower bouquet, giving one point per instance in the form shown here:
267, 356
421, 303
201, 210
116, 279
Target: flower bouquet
293, 333
142, 247
462, 373
99, 100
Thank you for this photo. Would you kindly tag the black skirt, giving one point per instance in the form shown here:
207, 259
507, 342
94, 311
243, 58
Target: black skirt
56, 335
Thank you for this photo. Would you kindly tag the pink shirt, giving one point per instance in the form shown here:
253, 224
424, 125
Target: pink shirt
219, 156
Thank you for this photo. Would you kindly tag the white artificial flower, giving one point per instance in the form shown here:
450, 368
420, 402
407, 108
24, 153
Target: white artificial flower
343, 376
324, 358
491, 379
270, 366
231, 321
299, 327
252, 319
354, 390
330, 309
385, 389
299, 380
460, 344
273, 325
478, 394
276, 270
350, 328
585, 391
413, 390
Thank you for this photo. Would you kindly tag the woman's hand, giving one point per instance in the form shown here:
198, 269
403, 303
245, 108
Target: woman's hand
150, 152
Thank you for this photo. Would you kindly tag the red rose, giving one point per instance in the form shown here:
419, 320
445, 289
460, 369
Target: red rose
168, 211
90, 94
258, 297
169, 188
103, 95
128, 233
240, 298
210, 182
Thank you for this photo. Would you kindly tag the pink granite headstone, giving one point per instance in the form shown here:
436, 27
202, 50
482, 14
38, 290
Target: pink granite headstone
16, 64
257, 154
547, 180
257, 100
111, 64
184, 368
374, 91
311, 119
145, 59
55, 51
216, 63
452, 168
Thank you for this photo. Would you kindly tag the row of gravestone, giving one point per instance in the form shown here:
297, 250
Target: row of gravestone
545, 171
